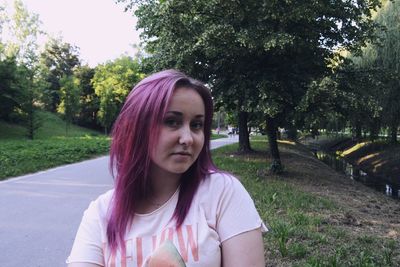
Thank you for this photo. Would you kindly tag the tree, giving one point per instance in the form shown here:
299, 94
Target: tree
57, 60
25, 27
69, 99
256, 55
387, 58
374, 77
89, 101
10, 96
112, 82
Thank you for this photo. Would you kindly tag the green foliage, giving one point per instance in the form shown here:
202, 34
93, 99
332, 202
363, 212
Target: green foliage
25, 27
88, 100
56, 61
255, 55
20, 157
112, 82
9, 94
372, 82
69, 96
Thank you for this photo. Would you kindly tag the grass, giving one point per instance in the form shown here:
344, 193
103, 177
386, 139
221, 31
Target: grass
19, 157
52, 126
299, 234
51, 146
217, 136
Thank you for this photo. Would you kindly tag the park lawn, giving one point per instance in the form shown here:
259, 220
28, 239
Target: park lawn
217, 136
19, 157
52, 146
316, 217
52, 126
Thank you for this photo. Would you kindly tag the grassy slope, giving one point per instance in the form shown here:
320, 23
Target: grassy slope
51, 147
52, 126
313, 219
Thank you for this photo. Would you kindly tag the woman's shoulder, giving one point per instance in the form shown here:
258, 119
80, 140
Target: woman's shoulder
101, 204
217, 182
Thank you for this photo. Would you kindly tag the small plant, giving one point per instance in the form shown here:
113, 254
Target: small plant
364, 260
388, 257
300, 219
314, 262
297, 250
282, 231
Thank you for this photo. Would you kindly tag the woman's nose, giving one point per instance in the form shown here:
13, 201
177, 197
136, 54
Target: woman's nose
185, 137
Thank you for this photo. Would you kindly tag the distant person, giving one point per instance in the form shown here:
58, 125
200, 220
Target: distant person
170, 205
230, 131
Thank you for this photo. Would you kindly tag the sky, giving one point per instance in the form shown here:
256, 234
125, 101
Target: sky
100, 28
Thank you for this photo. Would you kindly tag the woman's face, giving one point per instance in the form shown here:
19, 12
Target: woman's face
182, 133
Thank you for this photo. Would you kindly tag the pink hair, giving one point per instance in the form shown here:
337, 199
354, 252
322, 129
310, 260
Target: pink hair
135, 133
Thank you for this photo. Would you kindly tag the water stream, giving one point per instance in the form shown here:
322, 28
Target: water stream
387, 186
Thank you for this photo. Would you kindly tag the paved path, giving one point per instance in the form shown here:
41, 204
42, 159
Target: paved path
40, 213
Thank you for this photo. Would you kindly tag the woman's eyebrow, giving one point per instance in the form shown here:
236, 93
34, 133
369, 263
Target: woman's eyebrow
176, 113
180, 114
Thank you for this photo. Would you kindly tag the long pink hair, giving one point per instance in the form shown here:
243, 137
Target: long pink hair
134, 134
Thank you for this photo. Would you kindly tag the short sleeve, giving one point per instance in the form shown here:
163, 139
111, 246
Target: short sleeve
87, 246
236, 212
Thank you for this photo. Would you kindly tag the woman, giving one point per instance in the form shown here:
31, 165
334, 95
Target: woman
170, 205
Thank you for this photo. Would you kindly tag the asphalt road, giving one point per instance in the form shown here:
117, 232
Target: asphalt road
40, 212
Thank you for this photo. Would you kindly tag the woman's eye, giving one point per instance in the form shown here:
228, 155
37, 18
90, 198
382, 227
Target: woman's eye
171, 123
197, 125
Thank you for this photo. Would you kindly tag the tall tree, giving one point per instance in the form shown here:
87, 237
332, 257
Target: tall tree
10, 96
25, 27
57, 60
112, 82
259, 55
388, 61
69, 99
89, 101
376, 76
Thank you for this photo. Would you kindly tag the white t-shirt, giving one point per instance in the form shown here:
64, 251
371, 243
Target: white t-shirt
221, 209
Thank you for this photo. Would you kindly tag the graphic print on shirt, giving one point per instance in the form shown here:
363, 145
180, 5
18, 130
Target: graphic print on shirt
138, 248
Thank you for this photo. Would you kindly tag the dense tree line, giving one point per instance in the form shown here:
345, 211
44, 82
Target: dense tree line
298, 65
363, 91
53, 78
258, 57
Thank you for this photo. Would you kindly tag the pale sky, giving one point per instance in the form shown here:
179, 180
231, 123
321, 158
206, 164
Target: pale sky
100, 28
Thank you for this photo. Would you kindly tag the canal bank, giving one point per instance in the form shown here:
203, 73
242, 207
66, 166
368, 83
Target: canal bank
375, 164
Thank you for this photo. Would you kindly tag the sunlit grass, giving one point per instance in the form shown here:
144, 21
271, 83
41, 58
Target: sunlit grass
353, 148
369, 156
286, 142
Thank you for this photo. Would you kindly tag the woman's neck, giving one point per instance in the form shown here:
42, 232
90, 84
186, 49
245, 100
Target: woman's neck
163, 186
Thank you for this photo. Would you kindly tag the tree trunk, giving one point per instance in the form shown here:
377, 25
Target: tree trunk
244, 142
393, 132
291, 132
374, 129
276, 166
357, 135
